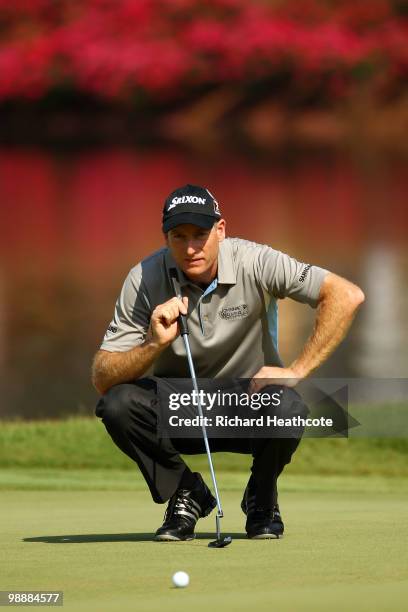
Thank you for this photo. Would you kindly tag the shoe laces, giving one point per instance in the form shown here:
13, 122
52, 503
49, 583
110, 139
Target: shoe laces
266, 513
182, 505
258, 512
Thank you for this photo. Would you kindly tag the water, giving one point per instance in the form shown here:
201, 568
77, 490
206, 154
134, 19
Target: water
73, 225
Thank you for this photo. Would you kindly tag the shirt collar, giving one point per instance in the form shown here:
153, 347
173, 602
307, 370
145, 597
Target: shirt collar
226, 273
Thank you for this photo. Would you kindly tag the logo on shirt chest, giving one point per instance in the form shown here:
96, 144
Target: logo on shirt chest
234, 312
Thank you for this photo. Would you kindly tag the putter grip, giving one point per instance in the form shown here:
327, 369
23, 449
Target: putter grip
177, 292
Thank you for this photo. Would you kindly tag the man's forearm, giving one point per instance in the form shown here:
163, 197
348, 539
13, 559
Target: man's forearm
335, 314
110, 369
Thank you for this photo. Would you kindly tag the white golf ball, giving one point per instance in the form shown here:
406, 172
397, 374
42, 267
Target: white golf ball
181, 579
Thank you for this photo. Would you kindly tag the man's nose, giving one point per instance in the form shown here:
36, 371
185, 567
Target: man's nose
191, 247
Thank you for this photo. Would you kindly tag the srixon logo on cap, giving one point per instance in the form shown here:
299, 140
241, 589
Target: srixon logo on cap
186, 200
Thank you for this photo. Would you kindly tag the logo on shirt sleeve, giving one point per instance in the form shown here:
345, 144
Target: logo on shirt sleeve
112, 328
305, 272
234, 312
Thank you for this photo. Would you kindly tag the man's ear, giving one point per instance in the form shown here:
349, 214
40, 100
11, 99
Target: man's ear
221, 225
166, 238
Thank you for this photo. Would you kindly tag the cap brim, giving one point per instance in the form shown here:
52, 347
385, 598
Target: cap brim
204, 221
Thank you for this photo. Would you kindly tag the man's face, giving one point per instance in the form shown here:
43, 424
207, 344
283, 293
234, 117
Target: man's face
195, 250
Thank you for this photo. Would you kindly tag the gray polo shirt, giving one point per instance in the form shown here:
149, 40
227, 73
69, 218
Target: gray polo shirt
232, 324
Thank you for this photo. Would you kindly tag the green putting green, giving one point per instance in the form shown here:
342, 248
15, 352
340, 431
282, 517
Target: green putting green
344, 546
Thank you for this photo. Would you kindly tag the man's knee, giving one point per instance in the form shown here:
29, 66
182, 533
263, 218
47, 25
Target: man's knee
292, 405
127, 401
113, 406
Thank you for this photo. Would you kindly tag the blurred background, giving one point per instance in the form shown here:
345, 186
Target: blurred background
294, 114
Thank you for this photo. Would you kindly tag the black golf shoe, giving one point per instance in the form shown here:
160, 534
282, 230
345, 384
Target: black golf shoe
184, 509
261, 523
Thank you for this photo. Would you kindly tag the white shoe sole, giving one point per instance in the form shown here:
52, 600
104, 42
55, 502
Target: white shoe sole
170, 538
266, 536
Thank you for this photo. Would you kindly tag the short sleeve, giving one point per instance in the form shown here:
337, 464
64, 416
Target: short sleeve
283, 276
131, 318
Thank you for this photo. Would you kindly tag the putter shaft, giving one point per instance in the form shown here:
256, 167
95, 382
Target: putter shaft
220, 513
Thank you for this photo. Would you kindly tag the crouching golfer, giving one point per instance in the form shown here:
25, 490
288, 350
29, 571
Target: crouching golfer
230, 289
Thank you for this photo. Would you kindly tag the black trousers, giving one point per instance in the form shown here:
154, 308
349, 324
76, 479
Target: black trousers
129, 413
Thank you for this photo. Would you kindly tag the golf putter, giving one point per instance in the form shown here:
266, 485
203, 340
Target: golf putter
220, 542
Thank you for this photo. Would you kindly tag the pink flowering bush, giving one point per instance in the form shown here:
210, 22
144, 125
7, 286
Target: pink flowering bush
121, 50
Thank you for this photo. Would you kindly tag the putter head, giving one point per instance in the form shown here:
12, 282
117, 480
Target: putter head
220, 542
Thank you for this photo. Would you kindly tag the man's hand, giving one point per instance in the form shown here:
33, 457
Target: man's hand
273, 376
113, 368
163, 323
